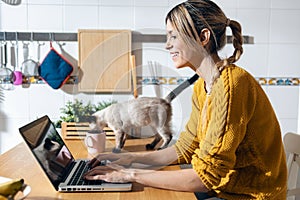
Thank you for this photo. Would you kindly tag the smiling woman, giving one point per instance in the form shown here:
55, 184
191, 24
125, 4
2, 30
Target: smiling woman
235, 150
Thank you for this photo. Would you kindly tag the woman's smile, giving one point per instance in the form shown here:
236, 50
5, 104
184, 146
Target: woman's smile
174, 55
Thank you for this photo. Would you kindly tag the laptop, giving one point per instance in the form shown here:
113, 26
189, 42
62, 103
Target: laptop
57, 162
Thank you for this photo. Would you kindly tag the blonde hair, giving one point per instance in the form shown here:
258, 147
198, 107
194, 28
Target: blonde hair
191, 17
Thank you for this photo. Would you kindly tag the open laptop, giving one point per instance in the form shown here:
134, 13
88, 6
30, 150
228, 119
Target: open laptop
64, 172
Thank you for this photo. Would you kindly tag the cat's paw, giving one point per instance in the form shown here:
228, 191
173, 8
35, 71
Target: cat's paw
162, 147
116, 150
149, 147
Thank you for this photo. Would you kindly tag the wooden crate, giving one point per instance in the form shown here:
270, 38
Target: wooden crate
76, 131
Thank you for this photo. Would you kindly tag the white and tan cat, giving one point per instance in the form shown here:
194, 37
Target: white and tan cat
136, 113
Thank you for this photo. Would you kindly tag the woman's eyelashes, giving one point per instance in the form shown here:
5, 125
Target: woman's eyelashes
171, 36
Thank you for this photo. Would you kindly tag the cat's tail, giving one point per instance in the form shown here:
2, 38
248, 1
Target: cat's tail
174, 93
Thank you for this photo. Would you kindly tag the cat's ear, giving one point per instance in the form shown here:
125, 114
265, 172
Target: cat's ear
48, 144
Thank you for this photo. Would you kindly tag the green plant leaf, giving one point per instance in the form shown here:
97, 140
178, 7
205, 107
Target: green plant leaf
74, 111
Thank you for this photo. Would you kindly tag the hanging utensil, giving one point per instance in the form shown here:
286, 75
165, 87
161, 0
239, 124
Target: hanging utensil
18, 77
12, 2
39, 52
29, 67
6, 75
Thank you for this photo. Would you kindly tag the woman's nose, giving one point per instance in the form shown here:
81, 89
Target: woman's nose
168, 45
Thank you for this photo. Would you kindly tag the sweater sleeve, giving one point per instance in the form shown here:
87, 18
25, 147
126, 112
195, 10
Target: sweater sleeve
187, 143
228, 114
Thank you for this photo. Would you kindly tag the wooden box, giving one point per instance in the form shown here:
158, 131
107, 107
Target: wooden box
77, 131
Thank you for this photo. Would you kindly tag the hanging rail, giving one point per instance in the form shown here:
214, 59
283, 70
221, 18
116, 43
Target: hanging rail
37, 36
72, 37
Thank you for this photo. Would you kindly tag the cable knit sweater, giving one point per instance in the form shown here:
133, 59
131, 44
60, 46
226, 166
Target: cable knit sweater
233, 139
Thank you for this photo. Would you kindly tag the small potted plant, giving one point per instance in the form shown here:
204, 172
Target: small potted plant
73, 112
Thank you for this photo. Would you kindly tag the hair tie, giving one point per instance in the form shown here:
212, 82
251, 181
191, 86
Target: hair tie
228, 22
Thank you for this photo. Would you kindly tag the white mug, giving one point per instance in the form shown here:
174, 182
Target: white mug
95, 142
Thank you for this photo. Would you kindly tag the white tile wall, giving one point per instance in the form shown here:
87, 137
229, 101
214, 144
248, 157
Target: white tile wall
273, 23
257, 4
281, 21
117, 3
82, 3
255, 59
156, 3
287, 4
14, 18
285, 101
46, 2
152, 18
72, 13
227, 4
283, 59
48, 18
173, 3
109, 20
259, 24
286, 107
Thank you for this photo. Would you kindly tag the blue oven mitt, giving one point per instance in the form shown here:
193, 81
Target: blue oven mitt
55, 69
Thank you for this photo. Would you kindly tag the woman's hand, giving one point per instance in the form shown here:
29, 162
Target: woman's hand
111, 173
124, 159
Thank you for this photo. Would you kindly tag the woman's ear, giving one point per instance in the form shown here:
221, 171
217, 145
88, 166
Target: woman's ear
205, 36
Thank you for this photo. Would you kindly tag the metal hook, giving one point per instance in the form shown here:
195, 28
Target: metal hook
52, 37
60, 44
4, 36
16, 36
40, 43
3, 42
26, 44
12, 42
31, 37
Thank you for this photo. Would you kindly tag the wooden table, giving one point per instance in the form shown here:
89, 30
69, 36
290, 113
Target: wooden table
20, 163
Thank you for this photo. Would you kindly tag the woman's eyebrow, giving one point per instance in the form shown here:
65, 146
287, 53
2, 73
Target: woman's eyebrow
170, 32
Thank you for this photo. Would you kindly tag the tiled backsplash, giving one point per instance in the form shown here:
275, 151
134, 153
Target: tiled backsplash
274, 81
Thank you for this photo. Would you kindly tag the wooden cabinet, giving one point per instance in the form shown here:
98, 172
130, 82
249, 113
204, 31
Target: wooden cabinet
104, 60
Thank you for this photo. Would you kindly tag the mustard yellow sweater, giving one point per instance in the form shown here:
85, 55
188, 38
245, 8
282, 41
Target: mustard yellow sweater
233, 139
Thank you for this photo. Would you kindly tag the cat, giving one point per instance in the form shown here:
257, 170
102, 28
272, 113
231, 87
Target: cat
47, 153
136, 113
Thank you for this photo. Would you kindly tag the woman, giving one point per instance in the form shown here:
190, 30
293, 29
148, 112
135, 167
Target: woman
232, 138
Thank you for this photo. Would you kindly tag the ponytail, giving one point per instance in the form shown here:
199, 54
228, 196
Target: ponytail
237, 41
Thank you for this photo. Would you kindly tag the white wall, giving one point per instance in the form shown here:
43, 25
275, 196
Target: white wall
273, 23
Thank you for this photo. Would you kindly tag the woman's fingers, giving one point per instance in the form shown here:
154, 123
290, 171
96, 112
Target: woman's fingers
108, 173
113, 177
104, 157
94, 162
96, 173
98, 159
95, 177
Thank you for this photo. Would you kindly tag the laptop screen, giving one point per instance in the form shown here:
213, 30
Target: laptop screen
48, 148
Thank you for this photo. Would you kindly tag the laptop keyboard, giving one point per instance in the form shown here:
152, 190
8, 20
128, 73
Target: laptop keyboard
78, 179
